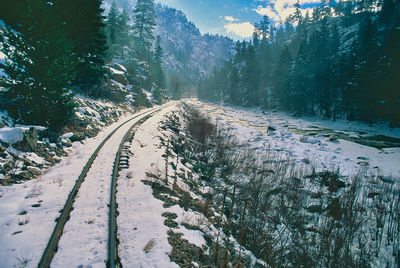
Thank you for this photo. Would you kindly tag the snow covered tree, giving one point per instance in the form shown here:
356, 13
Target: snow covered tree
144, 23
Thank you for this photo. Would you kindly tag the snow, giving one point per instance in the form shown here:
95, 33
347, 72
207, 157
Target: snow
11, 135
148, 94
121, 67
193, 218
115, 71
28, 210
67, 135
140, 220
2, 60
24, 237
15, 134
250, 126
5, 118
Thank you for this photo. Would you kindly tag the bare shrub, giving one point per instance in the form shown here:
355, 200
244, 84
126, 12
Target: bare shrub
35, 191
287, 213
24, 259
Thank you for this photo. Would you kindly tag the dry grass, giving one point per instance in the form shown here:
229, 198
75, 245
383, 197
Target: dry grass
35, 191
149, 246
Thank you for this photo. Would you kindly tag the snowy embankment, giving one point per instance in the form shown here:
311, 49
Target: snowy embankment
28, 211
313, 141
26, 152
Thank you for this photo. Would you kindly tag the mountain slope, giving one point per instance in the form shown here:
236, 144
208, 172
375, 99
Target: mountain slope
187, 52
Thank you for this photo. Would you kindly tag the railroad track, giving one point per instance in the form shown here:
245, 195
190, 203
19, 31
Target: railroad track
121, 161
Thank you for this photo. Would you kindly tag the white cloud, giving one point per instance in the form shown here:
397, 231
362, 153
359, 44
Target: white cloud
268, 11
230, 19
244, 29
279, 10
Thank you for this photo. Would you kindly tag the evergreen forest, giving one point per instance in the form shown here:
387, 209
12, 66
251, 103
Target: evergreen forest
342, 61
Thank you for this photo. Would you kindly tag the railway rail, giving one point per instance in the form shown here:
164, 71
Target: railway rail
121, 161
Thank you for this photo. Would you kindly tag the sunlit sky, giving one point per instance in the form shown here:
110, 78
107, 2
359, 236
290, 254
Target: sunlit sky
235, 18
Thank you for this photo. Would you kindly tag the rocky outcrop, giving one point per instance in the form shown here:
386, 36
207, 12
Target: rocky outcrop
29, 141
118, 73
78, 136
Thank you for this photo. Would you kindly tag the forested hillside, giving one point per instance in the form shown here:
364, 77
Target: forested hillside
341, 61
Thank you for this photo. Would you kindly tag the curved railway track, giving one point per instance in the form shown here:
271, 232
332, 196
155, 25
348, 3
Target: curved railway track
119, 162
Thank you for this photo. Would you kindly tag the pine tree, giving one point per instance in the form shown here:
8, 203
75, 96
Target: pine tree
367, 73
250, 81
256, 41
300, 83
325, 8
86, 30
389, 12
144, 23
92, 47
112, 24
123, 38
263, 27
158, 57
339, 8
238, 52
297, 16
349, 8
41, 67
281, 81
233, 89
316, 14
388, 106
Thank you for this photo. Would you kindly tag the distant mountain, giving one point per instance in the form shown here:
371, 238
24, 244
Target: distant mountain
186, 51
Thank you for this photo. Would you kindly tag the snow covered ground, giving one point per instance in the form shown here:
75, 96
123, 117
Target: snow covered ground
140, 221
252, 126
28, 211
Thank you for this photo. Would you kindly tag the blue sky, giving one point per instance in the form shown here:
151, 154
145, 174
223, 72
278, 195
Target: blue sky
234, 18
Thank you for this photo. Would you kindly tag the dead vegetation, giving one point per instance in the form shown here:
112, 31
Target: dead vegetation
285, 213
